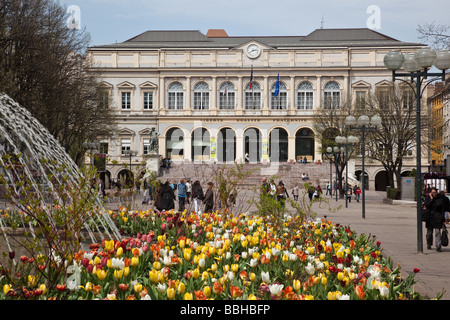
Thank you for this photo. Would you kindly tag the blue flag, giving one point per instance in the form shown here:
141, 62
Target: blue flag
277, 86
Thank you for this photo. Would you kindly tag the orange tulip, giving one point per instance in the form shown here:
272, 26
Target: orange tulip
217, 288
236, 292
360, 292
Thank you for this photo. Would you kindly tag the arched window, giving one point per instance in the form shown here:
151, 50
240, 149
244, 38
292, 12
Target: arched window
279, 101
201, 142
175, 96
305, 95
175, 144
253, 96
201, 96
227, 95
331, 95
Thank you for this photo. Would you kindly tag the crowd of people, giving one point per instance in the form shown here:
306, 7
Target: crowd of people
164, 195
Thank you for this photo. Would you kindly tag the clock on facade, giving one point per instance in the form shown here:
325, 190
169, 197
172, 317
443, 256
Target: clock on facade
253, 50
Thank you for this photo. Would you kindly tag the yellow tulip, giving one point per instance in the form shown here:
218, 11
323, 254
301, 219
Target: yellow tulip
181, 287
331, 295
126, 271
182, 243
137, 288
171, 293
6, 288
324, 281
119, 252
153, 276
207, 291
196, 273
297, 285
252, 276
134, 261
252, 297
235, 267
32, 281
157, 265
187, 254
101, 274
43, 287
88, 287
188, 296
322, 256
214, 267
118, 274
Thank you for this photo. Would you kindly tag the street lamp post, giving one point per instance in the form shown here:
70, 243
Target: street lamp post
336, 153
130, 153
363, 124
416, 66
346, 142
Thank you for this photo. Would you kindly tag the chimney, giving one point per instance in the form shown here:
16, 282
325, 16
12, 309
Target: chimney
217, 33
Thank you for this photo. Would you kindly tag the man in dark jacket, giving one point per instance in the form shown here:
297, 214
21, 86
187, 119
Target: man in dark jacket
209, 198
435, 203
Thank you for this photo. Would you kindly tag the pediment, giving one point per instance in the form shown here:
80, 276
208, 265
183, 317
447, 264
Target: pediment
361, 85
126, 85
148, 85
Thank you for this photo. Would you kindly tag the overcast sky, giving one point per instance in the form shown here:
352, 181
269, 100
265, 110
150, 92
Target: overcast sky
110, 21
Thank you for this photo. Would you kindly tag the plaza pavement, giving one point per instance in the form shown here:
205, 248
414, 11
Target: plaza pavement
395, 226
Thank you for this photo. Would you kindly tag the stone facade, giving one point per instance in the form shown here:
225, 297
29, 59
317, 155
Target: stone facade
215, 98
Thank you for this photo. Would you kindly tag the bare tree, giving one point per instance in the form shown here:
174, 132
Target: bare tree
435, 35
395, 138
329, 122
43, 69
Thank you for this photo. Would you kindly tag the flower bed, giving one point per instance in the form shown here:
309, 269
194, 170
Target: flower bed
170, 255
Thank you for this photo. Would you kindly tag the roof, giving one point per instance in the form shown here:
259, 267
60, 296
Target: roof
218, 38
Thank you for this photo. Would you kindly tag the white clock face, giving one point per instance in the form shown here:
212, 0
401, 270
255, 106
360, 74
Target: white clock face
253, 51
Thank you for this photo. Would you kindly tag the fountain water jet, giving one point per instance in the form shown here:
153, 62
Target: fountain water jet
27, 149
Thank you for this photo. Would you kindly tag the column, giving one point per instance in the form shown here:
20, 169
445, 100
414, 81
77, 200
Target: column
318, 92
291, 148
187, 148
188, 107
239, 109
291, 108
213, 110
266, 96
162, 90
239, 146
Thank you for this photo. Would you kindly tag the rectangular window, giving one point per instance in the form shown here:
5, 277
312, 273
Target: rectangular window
103, 99
126, 100
279, 101
175, 100
331, 100
125, 145
253, 100
103, 147
201, 100
146, 146
360, 100
226, 101
148, 100
304, 100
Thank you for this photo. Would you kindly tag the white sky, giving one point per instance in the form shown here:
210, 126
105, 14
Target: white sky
110, 21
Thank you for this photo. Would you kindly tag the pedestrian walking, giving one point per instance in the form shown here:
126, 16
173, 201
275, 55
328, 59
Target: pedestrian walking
435, 205
349, 193
295, 192
197, 196
188, 190
328, 189
167, 198
209, 198
182, 194
282, 194
358, 193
